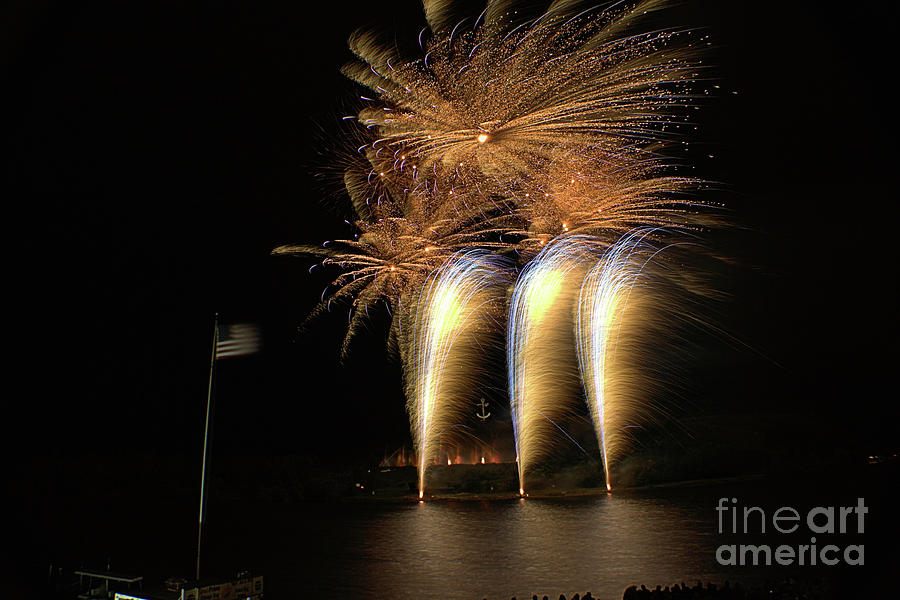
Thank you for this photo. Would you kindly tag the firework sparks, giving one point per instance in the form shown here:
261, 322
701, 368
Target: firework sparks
539, 138
543, 377
565, 114
453, 313
391, 257
606, 307
506, 134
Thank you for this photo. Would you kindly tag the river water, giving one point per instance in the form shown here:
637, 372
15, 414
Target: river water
474, 549
503, 548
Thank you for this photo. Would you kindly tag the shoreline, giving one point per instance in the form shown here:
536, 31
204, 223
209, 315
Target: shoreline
549, 494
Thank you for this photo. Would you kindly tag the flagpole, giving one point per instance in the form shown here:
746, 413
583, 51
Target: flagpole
209, 402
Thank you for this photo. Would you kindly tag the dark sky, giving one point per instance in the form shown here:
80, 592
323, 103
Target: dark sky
159, 151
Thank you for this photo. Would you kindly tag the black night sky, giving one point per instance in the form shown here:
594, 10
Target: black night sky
159, 151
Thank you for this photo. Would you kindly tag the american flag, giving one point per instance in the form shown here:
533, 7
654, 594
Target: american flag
237, 340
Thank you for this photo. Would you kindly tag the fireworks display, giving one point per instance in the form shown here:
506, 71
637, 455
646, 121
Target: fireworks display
539, 138
453, 315
607, 305
543, 374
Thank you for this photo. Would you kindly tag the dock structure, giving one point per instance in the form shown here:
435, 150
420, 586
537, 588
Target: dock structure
100, 583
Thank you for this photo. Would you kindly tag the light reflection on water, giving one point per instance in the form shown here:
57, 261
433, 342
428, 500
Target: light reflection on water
523, 547
472, 550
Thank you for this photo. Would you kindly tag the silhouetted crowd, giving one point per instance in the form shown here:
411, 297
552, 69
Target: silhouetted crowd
587, 596
785, 590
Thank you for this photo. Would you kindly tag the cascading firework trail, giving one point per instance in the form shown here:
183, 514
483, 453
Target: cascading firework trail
543, 377
457, 307
606, 305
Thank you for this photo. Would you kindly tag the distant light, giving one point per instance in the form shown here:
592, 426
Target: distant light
482, 138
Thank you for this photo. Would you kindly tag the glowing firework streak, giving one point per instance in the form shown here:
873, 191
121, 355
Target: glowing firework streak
453, 304
504, 133
539, 341
600, 317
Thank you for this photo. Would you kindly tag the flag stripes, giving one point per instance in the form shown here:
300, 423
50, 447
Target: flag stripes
237, 340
